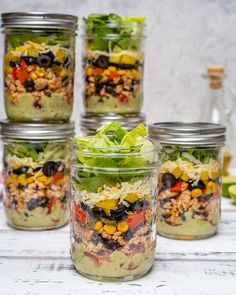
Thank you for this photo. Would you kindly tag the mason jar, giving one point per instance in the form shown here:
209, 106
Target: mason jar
189, 182
113, 63
39, 63
36, 174
113, 213
89, 123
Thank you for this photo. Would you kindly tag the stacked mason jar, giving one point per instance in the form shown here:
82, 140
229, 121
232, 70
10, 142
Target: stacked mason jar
39, 64
113, 63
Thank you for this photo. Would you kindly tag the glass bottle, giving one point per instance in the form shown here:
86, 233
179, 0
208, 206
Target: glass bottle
216, 111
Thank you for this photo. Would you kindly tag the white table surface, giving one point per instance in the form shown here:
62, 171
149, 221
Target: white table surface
35, 263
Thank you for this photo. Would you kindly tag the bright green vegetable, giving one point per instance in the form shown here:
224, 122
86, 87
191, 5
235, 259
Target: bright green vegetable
112, 33
115, 148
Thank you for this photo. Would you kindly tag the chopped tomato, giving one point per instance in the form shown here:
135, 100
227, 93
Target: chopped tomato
135, 218
123, 98
177, 186
79, 214
113, 75
97, 71
21, 72
58, 176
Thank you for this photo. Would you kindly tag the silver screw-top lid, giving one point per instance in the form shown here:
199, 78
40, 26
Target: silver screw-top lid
37, 130
188, 133
90, 123
39, 20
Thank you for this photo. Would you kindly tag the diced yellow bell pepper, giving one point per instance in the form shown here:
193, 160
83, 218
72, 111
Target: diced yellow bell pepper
204, 175
115, 59
185, 177
98, 225
110, 229
176, 172
127, 59
196, 193
108, 204
40, 72
122, 226
60, 55
132, 197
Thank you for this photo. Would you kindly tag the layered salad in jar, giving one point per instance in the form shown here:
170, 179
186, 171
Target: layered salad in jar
113, 64
38, 76
37, 184
189, 192
113, 204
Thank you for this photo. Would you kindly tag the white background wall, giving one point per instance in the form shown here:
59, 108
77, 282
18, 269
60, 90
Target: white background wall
183, 38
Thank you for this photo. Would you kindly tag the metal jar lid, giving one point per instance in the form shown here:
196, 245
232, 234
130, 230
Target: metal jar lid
37, 130
90, 123
39, 20
187, 133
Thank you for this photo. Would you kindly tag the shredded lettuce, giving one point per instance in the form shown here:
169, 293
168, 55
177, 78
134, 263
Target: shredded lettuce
115, 148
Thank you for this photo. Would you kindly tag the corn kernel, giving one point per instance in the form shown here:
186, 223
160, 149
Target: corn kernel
110, 229
89, 71
33, 76
107, 72
30, 179
122, 226
30, 68
40, 72
196, 192
112, 69
8, 70
211, 187
98, 225
134, 72
21, 179
62, 72
121, 72
42, 178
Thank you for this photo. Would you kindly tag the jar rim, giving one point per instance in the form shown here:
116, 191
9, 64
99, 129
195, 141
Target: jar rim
39, 20
186, 133
36, 130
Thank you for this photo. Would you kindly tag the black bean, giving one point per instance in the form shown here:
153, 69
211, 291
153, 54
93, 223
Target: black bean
111, 244
14, 64
98, 213
166, 216
119, 214
138, 205
168, 179
205, 198
39, 202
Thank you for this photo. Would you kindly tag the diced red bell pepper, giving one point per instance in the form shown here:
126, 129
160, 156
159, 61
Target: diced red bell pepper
58, 176
113, 75
135, 218
21, 73
98, 71
123, 98
176, 187
79, 214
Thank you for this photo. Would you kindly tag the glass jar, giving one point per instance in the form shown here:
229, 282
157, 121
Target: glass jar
89, 123
113, 213
189, 181
39, 65
36, 174
113, 62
